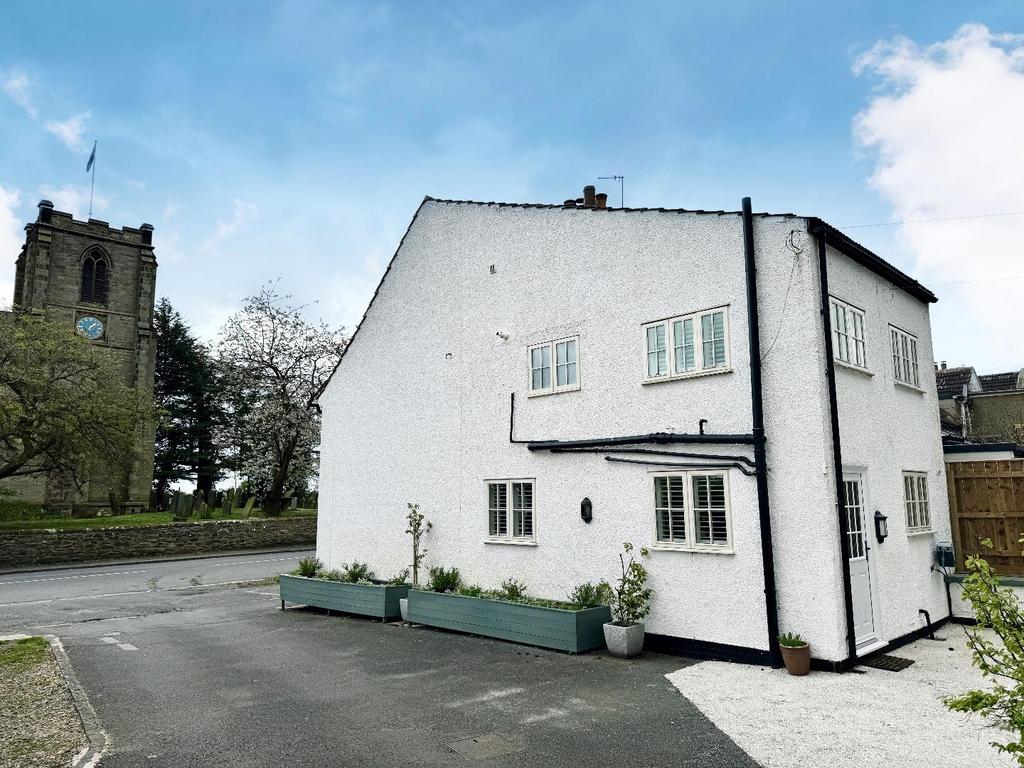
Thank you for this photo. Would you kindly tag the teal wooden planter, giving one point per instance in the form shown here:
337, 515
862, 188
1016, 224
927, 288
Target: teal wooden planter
379, 600
557, 628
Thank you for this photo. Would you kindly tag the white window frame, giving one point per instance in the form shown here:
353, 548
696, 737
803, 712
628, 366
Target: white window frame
916, 503
905, 367
669, 326
848, 347
509, 536
553, 387
691, 544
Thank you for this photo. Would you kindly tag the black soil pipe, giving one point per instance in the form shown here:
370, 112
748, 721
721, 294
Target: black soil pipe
837, 452
760, 457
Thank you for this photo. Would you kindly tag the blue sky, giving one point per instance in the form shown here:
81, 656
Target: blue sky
295, 140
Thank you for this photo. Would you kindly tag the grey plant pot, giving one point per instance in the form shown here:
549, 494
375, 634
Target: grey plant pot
403, 606
624, 642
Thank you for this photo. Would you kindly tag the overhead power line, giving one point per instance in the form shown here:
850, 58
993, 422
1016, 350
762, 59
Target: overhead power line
930, 221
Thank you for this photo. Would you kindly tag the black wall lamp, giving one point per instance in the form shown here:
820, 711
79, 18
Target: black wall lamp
881, 526
586, 510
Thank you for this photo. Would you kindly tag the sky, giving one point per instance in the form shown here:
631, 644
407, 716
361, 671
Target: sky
294, 140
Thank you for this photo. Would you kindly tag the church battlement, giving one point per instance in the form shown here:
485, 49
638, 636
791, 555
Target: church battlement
95, 228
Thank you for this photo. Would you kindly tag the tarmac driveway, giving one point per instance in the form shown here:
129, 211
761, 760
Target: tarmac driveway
222, 677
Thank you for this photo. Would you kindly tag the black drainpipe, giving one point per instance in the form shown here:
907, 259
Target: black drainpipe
818, 232
760, 460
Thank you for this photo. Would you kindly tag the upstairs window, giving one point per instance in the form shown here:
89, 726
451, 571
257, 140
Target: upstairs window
691, 511
915, 498
95, 287
688, 345
904, 357
848, 334
510, 512
554, 366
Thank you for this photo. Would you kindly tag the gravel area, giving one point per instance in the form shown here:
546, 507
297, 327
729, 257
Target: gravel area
41, 727
867, 718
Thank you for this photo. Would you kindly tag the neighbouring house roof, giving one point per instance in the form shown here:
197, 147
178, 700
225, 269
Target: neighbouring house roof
1000, 382
837, 239
1013, 448
950, 381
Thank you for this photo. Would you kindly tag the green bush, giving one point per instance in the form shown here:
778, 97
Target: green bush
308, 567
632, 597
591, 595
511, 590
400, 578
356, 572
791, 640
998, 611
471, 590
444, 579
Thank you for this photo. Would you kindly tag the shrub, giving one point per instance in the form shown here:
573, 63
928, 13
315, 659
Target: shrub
356, 572
791, 640
512, 591
997, 610
472, 590
591, 595
308, 567
399, 578
332, 575
632, 597
444, 579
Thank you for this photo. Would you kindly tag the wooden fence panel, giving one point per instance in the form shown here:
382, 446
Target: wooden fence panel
986, 501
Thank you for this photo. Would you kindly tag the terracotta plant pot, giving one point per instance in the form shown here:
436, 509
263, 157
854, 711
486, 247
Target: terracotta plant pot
797, 659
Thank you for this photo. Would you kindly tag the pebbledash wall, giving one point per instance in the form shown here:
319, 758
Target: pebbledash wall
418, 411
44, 547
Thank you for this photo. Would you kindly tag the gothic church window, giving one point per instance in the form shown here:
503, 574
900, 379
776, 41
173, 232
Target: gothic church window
95, 278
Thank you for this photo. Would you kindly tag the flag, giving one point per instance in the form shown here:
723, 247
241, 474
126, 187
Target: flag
92, 158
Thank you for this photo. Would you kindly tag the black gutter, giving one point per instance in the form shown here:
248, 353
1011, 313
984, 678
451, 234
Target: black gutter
657, 438
819, 231
760, 456
653, 452
683, 465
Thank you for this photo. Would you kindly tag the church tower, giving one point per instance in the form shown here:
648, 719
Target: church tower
102, 281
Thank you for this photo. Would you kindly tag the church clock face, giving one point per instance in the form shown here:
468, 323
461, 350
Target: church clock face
90, 327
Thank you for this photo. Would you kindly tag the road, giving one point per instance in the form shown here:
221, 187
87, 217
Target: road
51, 598
186, 668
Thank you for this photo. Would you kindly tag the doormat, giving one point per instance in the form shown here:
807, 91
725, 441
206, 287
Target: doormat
888, 663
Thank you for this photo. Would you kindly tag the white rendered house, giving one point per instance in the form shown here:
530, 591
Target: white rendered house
523, 367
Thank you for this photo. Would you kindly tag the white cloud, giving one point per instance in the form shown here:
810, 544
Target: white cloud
18, 88
70, 131
11, 240
947, 127
242, 214
73, 199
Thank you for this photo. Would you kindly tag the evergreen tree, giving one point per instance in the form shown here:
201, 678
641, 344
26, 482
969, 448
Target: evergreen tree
187, 394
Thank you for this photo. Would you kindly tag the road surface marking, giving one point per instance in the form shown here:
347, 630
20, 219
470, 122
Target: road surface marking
485, 697
246, 562
130, 592
110, 640
127, 647
64, 578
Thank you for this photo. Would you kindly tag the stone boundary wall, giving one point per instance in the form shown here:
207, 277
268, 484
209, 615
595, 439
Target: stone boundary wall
48, 547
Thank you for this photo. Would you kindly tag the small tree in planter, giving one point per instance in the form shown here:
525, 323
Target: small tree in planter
630, 605
418, 527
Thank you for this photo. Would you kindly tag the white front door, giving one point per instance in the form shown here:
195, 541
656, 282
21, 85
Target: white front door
860, 566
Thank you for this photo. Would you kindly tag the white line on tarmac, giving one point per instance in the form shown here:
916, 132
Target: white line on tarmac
246, 562
122, 594
64, 578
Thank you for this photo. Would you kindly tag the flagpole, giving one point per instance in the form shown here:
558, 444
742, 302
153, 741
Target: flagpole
92, 184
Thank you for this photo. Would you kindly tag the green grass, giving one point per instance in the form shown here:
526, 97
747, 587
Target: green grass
144, 518
31, 650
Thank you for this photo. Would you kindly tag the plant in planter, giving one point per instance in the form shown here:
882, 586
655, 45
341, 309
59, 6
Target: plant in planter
309, 567
418, 527
630, 605
796, 653
444, 579
356, 573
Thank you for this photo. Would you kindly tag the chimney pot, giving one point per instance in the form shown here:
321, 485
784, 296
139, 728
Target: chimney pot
570, 203
601, 200
943, 364
588, 195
